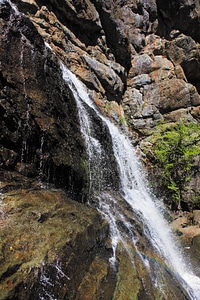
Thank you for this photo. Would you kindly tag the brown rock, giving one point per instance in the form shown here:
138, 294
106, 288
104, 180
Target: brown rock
196, 217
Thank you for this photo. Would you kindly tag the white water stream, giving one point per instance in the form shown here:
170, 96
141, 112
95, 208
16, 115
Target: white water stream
133, 189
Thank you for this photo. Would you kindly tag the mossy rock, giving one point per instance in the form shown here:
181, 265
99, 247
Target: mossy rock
44, 233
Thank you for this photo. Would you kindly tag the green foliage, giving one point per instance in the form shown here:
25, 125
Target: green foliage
122, 120
175, 148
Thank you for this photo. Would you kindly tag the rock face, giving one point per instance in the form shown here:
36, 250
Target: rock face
40, 135
48, 245
140, 62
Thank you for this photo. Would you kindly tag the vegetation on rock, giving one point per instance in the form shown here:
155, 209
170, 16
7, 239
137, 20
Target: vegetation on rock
175, 152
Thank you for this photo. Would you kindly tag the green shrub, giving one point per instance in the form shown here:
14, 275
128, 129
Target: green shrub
175, 148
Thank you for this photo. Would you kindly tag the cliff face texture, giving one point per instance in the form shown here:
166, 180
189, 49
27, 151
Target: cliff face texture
140, 61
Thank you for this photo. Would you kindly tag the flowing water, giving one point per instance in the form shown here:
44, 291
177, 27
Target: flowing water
133, 190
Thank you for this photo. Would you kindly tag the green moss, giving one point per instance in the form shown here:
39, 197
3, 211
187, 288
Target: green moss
84, 167
122, 120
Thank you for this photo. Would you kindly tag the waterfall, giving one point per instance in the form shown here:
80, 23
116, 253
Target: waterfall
133, 191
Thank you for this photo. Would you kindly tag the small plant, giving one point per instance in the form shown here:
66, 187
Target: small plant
122, 120
175, 148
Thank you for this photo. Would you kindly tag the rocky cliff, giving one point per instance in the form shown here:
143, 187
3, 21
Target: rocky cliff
140, 61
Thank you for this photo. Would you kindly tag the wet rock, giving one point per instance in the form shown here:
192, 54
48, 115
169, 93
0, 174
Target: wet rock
194, 253
8, 158
37, 128
46, 249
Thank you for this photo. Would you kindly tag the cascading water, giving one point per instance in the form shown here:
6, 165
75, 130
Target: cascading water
133, 190
24, 44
